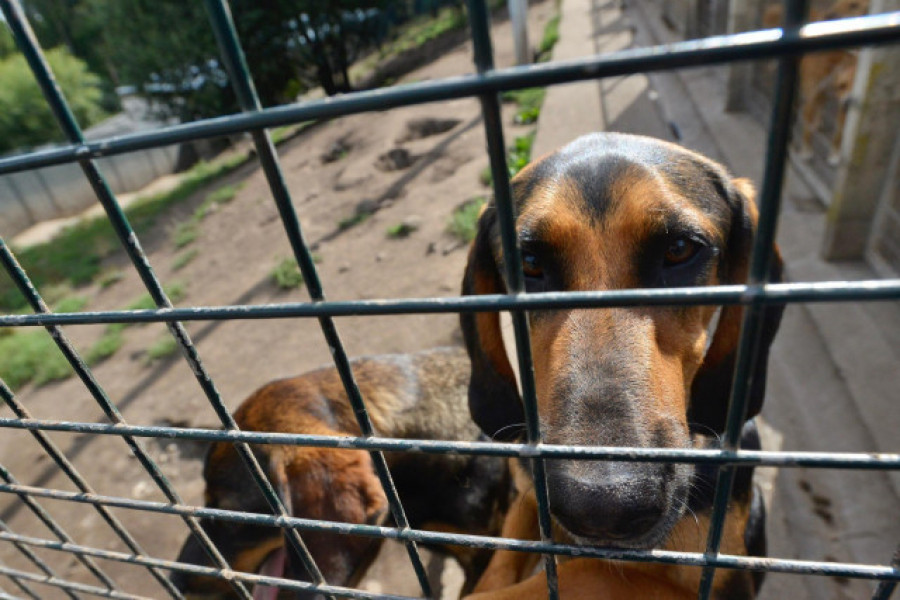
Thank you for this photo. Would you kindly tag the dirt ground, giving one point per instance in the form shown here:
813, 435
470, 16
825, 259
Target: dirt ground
238, 246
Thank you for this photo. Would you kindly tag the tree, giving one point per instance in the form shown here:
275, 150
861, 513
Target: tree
25, 118
167, 50
79, 26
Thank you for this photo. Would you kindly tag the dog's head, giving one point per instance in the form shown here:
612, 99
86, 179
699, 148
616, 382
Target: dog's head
336, 485
608, 212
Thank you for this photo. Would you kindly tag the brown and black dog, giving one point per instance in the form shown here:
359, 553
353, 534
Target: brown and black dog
415, 396
610, 212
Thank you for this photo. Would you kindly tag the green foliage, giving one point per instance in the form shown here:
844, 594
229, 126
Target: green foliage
163, 347
70, 304
75, 255
113, 339
107, 345
286, 274
401, 230
183, 259
516, 158
520, 153
25, 117
163, 48
551, 36
80, 27
7, 43
31, 356
185, 234
529, 101
464, 220
175, 291
353, 220
213, 200
108, 278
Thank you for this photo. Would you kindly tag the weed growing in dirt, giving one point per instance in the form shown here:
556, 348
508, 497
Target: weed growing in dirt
213, 200
175, 291
551, 36
109, 277
185, 234
516, 158
108, 344
520, 153
188, 231
112, 338
354, 220
74, 256
70, 304
464, 220
287, 275
160, 349
529, 101
182, 260
31, 356
401, 230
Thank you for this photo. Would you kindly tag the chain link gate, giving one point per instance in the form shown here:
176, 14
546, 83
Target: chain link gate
785, 44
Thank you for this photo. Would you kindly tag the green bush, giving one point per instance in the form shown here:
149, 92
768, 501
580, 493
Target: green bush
31, 356
287, 275
25, 117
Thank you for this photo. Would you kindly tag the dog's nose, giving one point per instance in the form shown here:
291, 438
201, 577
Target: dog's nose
620, 504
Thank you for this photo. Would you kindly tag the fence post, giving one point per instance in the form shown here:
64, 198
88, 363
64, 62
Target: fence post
866, 153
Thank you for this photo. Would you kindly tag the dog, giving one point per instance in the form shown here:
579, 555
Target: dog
615, 211
415, 396
824, 76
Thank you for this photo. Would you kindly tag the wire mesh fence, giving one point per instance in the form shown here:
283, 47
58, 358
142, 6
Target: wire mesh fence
786, 44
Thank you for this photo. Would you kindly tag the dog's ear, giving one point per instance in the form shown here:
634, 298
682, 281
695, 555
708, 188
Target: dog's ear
711, 388
493, 396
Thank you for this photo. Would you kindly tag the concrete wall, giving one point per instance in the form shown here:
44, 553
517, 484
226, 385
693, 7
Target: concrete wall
29, 197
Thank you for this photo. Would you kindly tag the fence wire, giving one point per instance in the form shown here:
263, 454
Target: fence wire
787, 44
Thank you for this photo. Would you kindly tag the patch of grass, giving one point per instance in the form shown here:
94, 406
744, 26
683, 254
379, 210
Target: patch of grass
464, 220
551, 36
31, 356
279, 134
354, 220
75, 255
160, 349
175, 291
223, 195
185, 234
529, 101
401, 230
520, 153
109, 277
182, 260
517, 158
286, 274
107, 345
70, 304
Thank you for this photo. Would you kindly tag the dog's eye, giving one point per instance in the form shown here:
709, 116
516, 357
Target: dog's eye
680, 251
531, 265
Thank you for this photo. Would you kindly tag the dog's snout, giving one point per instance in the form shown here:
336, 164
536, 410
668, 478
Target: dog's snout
609, 504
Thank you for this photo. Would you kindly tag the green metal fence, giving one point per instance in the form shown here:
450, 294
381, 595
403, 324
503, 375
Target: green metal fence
786, 44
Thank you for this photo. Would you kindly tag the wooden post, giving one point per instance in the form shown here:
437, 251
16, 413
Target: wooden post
867, 151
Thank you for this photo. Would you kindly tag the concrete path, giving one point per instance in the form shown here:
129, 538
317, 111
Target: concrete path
833, 370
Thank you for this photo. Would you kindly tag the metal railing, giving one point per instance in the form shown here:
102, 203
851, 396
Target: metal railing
786, 44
